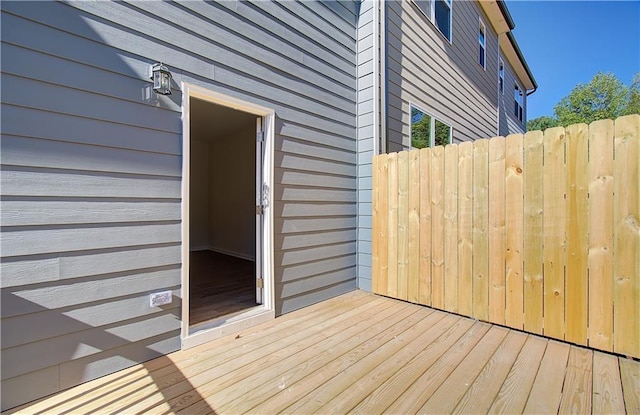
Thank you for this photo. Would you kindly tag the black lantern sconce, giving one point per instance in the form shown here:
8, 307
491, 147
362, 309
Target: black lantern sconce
161, 79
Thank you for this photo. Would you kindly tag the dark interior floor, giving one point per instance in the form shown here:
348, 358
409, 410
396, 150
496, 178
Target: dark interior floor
219, 285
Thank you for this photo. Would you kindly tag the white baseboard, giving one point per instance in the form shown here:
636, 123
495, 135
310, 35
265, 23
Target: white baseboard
193, 248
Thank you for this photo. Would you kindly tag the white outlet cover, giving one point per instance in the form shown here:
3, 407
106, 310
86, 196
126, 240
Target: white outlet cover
161, 298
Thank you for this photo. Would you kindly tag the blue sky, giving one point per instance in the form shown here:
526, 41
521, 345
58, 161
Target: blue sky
567, 42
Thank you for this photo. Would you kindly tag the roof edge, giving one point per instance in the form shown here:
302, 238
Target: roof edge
516, 48
505, 12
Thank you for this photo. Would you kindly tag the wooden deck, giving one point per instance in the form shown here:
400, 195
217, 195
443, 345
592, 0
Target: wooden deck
360, 353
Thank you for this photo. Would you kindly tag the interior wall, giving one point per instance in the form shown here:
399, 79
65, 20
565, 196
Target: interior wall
199, 206
222, 196
232, 227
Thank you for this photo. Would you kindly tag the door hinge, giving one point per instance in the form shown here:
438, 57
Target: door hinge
260, 136
260, 282
259, 210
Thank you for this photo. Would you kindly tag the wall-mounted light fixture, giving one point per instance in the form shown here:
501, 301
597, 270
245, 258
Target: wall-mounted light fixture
161, 79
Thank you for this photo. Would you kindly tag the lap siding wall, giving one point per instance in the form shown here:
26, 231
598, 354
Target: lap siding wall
91, 169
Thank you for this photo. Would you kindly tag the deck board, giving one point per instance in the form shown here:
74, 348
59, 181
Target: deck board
451, 391
515, 390
576, 393
482, 392
362, 353
547, 388
607, 387
630, 375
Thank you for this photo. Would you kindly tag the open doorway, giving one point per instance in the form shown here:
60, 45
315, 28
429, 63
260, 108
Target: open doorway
225, 199
222, 228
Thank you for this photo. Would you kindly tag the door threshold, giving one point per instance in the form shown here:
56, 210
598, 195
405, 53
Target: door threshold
213, 329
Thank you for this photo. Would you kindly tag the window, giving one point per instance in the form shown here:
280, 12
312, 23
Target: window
443, 17
439, 12
482, 41
518, 98
501, 75
426, 131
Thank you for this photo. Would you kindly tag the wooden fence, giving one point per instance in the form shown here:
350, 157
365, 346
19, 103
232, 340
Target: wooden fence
539, 232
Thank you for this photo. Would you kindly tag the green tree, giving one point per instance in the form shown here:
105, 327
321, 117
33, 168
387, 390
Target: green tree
541, 123
603, 97
633, 107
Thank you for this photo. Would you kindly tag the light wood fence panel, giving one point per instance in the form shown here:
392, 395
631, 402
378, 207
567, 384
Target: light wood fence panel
514, 199
424, 279
626, 222
451, 228
465, 228
533, 232
437, 227
375, 226
480, 224
497, 234
539, 232
554, 219
600, 259
392, 229
403, 224
576, 278
413, 284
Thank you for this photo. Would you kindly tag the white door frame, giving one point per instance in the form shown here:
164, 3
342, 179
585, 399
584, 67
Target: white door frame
266, 311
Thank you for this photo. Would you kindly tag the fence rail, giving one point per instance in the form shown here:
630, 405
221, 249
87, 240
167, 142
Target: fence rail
539, 232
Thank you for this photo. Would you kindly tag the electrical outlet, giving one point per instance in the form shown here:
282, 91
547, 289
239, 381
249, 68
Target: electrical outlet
161, 298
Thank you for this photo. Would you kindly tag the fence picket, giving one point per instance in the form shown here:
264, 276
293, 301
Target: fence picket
413, 248
626, 172
601, 235
465, 228
480, 225
375, 225
437, 227
424, 284
577, 221
514, 198
392, 274
403, 224
554, 223
497, 243
451, 228
533, 232
383, 223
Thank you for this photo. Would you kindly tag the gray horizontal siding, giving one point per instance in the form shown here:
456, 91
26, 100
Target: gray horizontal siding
67, 266
289, 241
509, 123
30, 181
20, 212
443, 79
91, 169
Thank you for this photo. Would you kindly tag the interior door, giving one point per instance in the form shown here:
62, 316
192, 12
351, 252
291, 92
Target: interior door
261, 199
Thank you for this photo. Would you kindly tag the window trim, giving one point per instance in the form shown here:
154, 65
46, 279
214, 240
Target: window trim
482, 28
518, 99
431, 15
432, 127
